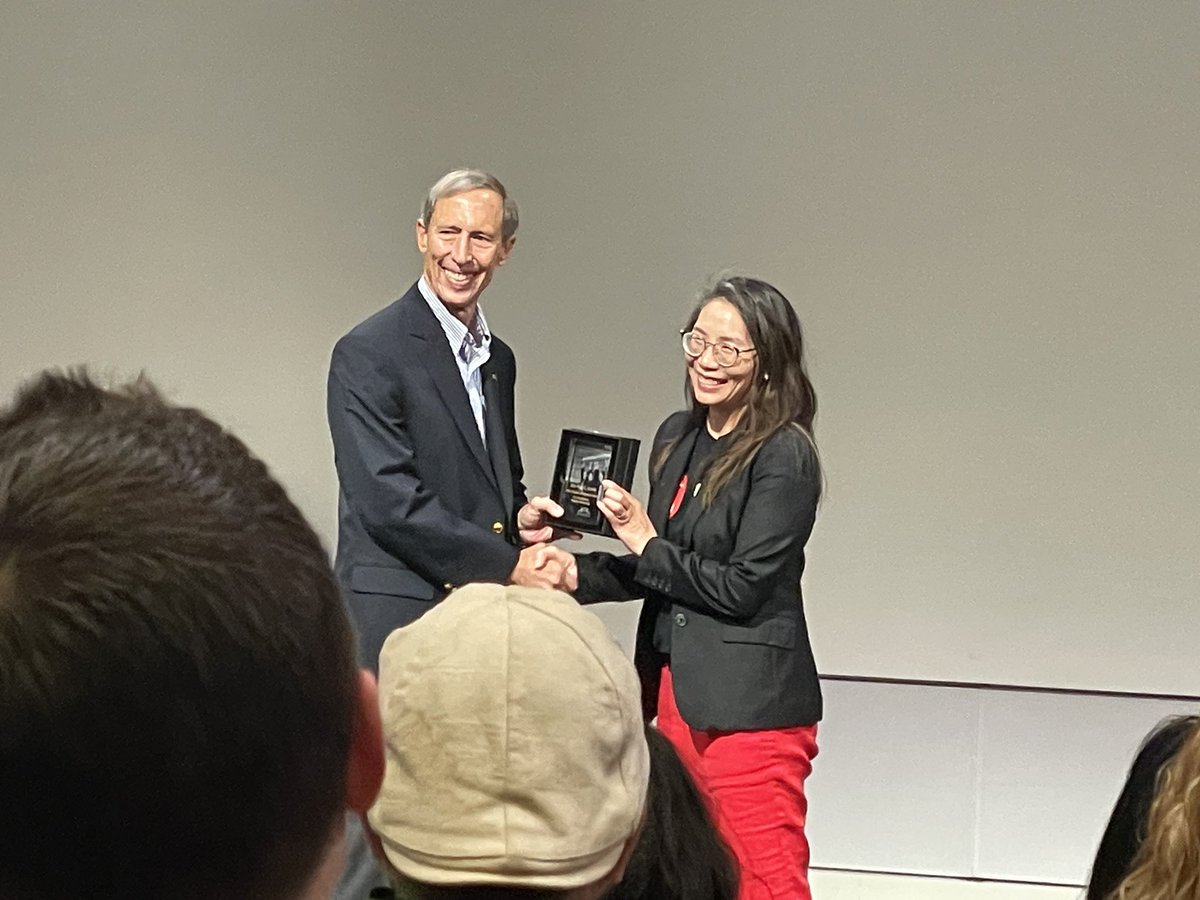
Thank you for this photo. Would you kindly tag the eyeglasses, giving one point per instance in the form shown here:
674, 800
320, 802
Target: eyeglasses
724, 355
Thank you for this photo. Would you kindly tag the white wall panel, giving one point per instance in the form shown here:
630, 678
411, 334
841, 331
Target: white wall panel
971, 782
1051, 768
893, 787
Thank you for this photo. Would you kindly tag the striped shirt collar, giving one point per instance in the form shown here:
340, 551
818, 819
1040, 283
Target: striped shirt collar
477, 338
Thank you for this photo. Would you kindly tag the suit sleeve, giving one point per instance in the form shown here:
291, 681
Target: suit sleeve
775, 523
375, 466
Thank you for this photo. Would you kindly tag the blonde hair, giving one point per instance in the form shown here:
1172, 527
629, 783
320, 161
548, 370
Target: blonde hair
1167, 864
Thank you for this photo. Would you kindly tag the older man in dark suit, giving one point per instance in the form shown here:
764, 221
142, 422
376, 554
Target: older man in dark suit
420, 408
421, 412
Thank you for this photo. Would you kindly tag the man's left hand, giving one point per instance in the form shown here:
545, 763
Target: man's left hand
535, 522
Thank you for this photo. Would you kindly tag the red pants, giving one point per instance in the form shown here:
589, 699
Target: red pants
754, 782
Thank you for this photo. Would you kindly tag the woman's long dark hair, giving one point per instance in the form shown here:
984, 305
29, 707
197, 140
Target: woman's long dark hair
679, 854
780, 394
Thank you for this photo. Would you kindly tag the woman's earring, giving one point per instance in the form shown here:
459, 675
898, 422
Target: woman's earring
766, 376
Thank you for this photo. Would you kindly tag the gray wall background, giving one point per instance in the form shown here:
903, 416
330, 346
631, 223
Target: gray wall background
987, 215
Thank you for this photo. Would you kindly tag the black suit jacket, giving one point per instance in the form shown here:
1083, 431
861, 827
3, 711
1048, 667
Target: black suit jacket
740, 655
423, 506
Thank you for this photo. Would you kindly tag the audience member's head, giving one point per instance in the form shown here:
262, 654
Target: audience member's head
517, 763
1151, 847
680, 855
180, 714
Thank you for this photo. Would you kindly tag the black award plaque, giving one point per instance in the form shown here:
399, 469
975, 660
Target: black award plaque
584, 460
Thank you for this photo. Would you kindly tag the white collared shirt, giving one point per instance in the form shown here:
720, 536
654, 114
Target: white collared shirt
472, 347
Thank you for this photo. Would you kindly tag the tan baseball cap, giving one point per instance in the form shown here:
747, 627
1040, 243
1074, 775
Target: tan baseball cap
515, 748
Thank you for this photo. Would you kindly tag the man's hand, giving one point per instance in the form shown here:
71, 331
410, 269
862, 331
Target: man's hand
535, 522
541, 565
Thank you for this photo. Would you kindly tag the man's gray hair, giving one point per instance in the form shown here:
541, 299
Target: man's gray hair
462, 180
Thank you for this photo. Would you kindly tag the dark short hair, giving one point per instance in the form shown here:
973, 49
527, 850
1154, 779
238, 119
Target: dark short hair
177, 679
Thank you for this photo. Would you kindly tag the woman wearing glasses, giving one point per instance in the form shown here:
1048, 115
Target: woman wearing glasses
717, 553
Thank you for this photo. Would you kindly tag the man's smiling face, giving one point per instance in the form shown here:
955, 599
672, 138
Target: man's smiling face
463, 245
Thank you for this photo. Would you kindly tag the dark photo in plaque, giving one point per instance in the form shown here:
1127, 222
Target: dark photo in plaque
584, 460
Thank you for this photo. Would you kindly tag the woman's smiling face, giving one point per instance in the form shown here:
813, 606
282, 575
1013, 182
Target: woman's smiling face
722, 390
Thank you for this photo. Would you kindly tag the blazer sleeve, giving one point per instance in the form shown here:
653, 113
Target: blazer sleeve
375, 466
604, 577
775, 523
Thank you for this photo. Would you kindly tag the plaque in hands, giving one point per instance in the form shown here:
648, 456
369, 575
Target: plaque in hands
584, 460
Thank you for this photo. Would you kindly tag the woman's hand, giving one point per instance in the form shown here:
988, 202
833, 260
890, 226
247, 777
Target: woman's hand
535, 522
627, 516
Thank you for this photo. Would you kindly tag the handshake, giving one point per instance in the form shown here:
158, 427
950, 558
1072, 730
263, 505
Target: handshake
541, 564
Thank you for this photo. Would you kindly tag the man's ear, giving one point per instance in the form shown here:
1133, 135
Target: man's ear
505, 249
364, 769
422, 236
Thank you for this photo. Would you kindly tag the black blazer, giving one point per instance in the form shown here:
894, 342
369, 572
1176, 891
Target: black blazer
740, 655
423, 506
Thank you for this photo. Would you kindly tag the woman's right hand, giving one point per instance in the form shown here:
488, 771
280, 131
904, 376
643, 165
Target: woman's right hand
627, 516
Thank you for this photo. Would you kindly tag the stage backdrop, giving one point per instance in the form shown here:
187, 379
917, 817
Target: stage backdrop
987, 215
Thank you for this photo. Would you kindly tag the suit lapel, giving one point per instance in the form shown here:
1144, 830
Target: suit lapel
439, 361
668, 481
493, 423
691, 511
